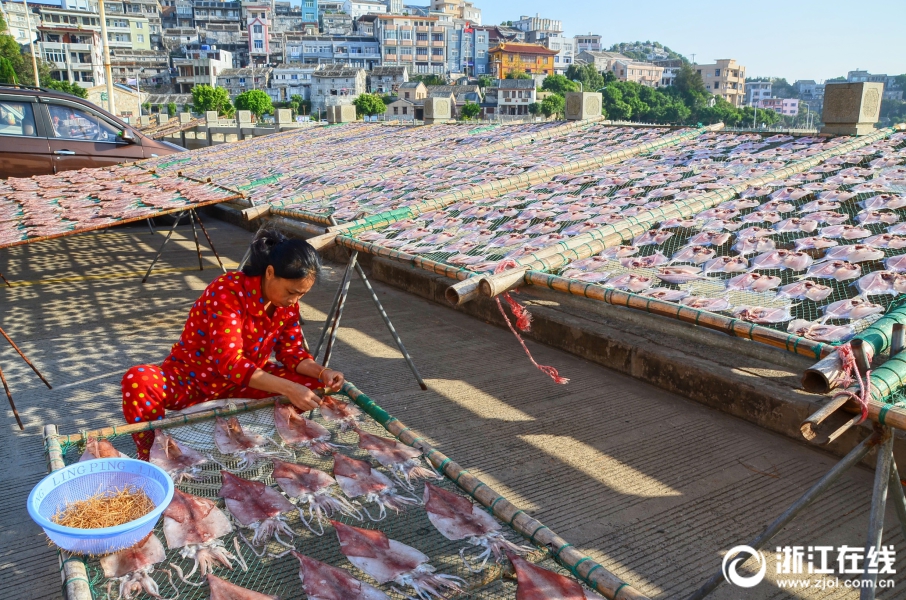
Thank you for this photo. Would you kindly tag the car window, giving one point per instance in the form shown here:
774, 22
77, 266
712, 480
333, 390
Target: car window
17, 118
76, 124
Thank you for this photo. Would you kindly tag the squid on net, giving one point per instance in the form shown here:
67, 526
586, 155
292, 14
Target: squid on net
337, 411
356, 478
297, 431
181, 463
224, 590
249, 448
325, 582
258, 507
100, 448
195, 526
456, 518
401, 460
132, 568
388, 560
537, 583
316, 489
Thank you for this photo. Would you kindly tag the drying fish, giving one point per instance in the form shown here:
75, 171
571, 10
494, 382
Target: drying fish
711, 304
726, 264
654, 236
388, 560
666, 294
777, 206
819, 205
828, 216
132, 568
796, 225
762, 216
886, 240
258, 507
401, 460
789, 193
709, 238
630, 281
819, 332
782, 259
456, 518
752, 245
644, 262
195, 526
896, 263
759, 314
224, 590
337, 411
694, 254
325, 582
678, 224
814, 243
872, 217
719, 225
888, 201
836, 196
678, 275
847, 232
717, 213
356, 478
880, 283
248, 448
299, 432
100, 448
805, 289
854, 253
618, 252
753, 282
181, 462
755, 192
537, 583
853, 308
741, 204
314, 488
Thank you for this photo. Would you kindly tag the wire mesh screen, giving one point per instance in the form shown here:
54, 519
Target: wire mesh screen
280, 576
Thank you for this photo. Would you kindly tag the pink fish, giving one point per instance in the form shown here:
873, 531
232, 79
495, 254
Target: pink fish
582, 227
543, 228
847, 232
752, 245
720, 225
726, 264
838, 270
754, 232
814, 243
678, 223
666, 294
717, 213
759, 314
755, 192
741, 204
777, 206
644, 262
710, 304
694, 254
853, 309
836, 196
828, 216
854, 253
709, 238
831, 334
586, 276
753, 282
805, 289
819, 205
886, 240
631, 282
782, 259
896, 263
620, 252
789, 193
880, 283
681, 274
871, 217
898, 229
796, 225
888, 201
509, 239
762, 216
655, 237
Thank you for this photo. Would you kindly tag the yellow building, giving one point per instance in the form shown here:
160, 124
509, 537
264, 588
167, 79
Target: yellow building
725, 78
509, 57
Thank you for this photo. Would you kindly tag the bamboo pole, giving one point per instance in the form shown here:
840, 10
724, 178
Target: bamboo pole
597, 240
578, 564
72, 567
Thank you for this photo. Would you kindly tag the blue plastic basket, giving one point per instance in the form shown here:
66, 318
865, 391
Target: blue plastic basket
83, 480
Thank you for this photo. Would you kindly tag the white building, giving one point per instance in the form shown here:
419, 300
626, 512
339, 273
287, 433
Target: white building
588, 43
291, 80
359, 8
537, 24
757, 91
336, 85
565, 47
18, 24
200, 67
237, 81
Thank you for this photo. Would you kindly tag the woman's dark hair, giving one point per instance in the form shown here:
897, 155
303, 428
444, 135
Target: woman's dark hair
291, 258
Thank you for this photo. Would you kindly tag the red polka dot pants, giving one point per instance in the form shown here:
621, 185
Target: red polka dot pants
150, 390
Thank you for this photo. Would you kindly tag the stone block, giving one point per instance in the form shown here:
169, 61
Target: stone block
163, 118
185, 117
851, 108
331, 114
438, 110
284, 116
344, 113
583, 105
211, 117
244, 117
145, 120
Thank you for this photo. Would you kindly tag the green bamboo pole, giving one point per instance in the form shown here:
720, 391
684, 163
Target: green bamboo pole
580, 565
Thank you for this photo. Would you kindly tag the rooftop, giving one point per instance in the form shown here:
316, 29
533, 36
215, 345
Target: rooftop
337, 72
522, 48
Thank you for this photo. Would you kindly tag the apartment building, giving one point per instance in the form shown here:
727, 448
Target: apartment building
533, 59
643, 73
22, 26
781, 106
336, 85
386, 80
539, 27
208, 13
237, 81
467, 49
458, 9
565, 48
336, 24
144, 23
200, 67
417, 43
256, 18
757, 91
603, 61
671, 67
514, 96
725, 78
291, 80
70, 41
588, 43
147, 68
354, 51
360, 8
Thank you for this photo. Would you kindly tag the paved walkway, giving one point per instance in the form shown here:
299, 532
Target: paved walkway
653, 486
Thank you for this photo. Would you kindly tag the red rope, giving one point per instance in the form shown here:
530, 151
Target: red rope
848, 361
523, 322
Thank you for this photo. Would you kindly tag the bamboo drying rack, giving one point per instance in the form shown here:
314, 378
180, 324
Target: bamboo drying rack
73, 570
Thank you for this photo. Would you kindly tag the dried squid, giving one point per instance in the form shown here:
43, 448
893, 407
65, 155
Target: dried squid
224, 590
258, 507
132, 568
325, 582
181, 463
340, 412
356, 478
297, 431
401, 460
249, 448
537, 583
316, 489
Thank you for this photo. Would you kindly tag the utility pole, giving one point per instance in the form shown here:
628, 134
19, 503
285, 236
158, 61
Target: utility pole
111, 105
31, 42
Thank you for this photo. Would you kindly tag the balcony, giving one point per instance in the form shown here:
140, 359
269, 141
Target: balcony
438, 44
390, 42
422, 43
422, 29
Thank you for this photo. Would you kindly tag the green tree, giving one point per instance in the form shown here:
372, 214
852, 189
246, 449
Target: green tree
256, 101
67, 87
486, 81
690, 85
7, 72
205, 98
899, 81
369, 104
553, 105
470, 110
534, 108
518, 74
429, 79
836, 80
614, 106
559, 84
587, 74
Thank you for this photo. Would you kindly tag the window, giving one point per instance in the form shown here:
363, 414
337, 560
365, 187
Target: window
421, 37
481, 68
421, 52
717, 72
17, 118
256, 29
480, 39
390, 34
405, 110
77, 124
716, 85
407, 94
390, 51
54, 56
396, 110
480, 54
139, 25
140, 38
259, 44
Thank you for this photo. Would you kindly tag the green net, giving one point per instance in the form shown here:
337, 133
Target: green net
280, 576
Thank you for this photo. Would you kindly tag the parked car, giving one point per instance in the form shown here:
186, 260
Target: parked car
44, 132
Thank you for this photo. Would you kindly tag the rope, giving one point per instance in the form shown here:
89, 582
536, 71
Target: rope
848, 360
523, 322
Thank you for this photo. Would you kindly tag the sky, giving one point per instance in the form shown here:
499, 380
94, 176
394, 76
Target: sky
801, 39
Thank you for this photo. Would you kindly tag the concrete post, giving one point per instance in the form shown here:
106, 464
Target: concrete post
852, 108
284, 118
145, 120
185, 117
211, 118
163, 117
437, 110
345, 113
243, 121
583, 105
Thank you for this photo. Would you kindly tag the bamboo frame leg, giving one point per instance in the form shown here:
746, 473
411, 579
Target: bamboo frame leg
25, 358
195, 234
162, 246
8, 284
390, 328
210, 243
12, 405
150, 226
339, 313
245, 259
333, 308
899, 497
855, 455
878, 508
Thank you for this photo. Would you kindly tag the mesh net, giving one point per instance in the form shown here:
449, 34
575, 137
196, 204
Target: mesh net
280, 576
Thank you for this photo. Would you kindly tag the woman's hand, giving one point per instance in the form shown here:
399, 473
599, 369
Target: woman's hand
300, 396
332, 380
